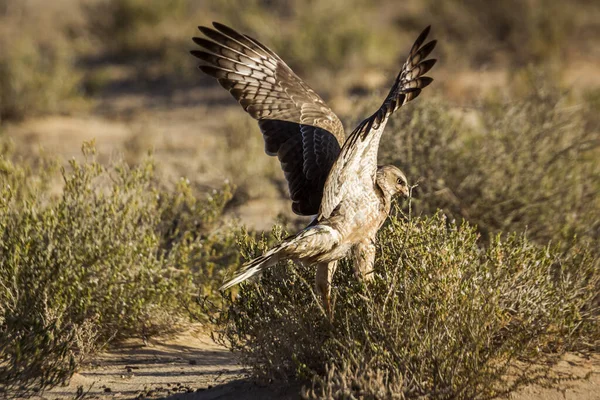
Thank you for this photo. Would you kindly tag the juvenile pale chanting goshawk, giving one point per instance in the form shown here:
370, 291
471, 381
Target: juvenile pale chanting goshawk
337, 179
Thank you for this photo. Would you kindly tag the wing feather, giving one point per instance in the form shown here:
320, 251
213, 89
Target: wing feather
297, 125
357, 162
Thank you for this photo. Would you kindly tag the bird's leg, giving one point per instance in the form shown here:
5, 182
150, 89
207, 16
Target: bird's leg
363, 255
323, 280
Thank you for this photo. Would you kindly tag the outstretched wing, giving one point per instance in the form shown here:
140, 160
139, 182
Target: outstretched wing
357, 163
297, 126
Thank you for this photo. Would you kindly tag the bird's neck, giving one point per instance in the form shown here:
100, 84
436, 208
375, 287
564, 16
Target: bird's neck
384, 196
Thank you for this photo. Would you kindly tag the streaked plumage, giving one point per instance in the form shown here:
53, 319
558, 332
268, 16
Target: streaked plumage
337, 179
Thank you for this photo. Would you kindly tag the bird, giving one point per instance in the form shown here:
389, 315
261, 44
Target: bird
328, 175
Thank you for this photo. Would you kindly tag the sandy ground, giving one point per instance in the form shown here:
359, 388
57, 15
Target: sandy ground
587, 387
191, 366
187, 366
159, 368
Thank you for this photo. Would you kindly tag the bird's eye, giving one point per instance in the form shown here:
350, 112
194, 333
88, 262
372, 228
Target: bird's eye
400, 182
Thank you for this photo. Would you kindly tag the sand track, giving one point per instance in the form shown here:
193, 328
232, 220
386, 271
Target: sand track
190, 366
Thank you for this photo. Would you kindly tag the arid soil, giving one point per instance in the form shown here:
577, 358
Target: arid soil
190, 366
189, 362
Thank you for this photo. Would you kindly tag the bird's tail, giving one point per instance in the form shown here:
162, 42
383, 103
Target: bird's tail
308, 242
256, 265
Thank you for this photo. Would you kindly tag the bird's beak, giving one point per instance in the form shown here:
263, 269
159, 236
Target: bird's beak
405, 193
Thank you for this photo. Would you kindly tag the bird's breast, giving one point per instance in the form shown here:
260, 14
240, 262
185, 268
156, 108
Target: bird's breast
361, 217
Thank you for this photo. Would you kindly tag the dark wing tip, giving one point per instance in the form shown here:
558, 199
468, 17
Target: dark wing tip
425, 66
218, 25
199, 41
202, 55
207, 44
232, 33
415, 93
430, 62
222, 27
206, 30
427, 48
211, 71
425, 81
420, 39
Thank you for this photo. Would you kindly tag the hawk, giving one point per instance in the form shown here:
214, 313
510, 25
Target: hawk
335, 178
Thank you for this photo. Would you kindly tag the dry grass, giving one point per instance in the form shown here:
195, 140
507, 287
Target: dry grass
521, 164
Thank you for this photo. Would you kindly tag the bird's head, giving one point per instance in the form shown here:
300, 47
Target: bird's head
392, 181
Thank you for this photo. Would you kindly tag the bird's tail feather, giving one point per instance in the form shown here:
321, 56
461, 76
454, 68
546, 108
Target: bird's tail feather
306, 243
256, 265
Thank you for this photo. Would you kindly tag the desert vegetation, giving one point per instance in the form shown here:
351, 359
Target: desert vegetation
114, 255
470, 272
485, 277
447, 316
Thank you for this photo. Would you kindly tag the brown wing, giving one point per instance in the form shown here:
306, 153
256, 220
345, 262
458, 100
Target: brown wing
296, 123
356, 165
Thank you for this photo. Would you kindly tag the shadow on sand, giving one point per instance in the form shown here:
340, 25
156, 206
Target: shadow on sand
243, 389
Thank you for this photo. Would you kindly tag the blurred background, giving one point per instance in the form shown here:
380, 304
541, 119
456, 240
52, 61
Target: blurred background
517, 87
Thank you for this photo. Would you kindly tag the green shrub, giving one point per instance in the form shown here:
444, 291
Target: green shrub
192, 227
442, 319
37, 74
509, 32
115, 255
524, 165
126, 27
155, 35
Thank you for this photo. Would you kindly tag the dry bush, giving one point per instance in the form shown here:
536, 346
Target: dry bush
114, 255
37, 66
335, 44
452, 315
524, 164
443, 318
130, 28
355, 378
509, 32
153, 35
318, 39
